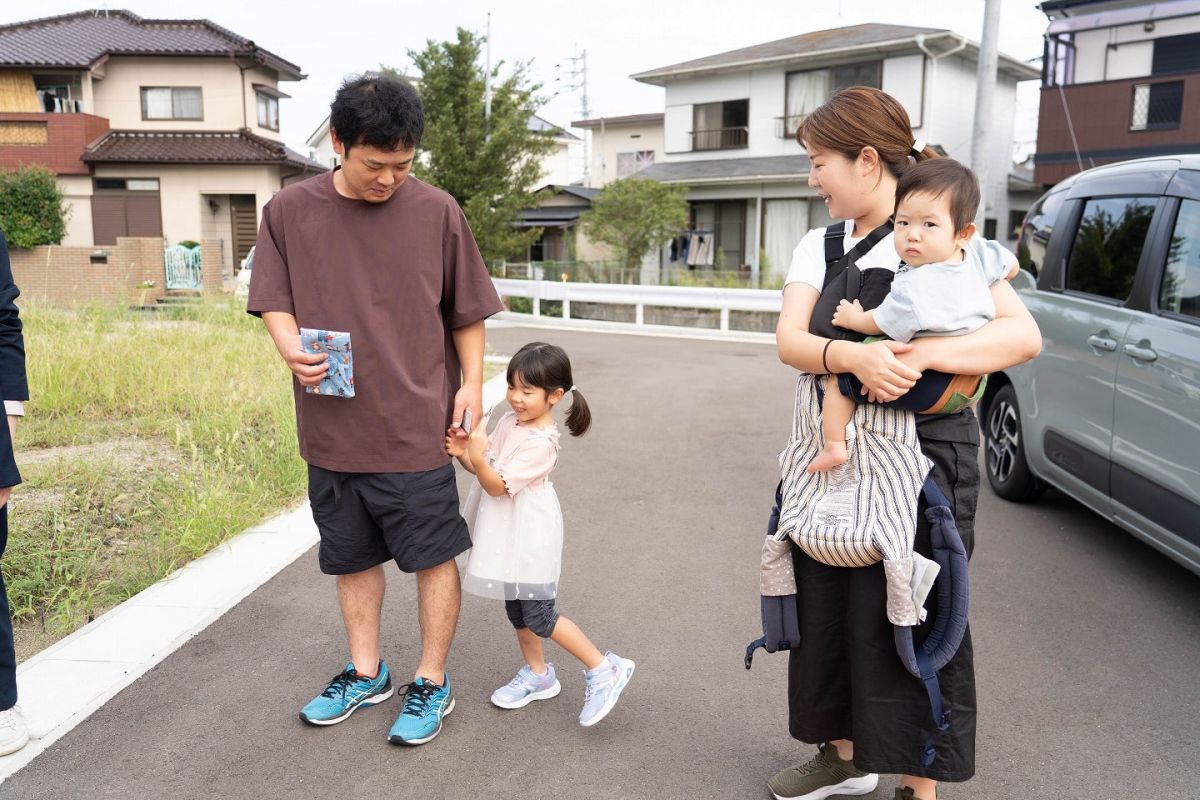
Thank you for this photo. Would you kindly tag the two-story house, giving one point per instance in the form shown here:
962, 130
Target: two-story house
1120, 80
155, 127
730, 121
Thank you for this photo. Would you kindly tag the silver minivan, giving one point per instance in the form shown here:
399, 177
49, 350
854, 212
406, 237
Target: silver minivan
1110, 412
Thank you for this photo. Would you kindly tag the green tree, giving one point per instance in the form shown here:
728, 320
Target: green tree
634, 216
31, 207
493, 166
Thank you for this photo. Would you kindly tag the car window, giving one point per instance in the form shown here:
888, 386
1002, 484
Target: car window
1180, 289
1108, 245
1036, 230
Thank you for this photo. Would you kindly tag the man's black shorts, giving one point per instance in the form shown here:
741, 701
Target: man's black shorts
367, 518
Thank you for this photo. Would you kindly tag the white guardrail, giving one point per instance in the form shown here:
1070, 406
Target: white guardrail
640, 296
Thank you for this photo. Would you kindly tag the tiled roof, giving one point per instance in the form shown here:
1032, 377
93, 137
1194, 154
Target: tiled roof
827, 44
612, 122
728, 170
85, 38
193, 147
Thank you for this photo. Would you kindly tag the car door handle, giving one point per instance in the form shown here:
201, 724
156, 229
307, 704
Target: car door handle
1140, 353
1101, 342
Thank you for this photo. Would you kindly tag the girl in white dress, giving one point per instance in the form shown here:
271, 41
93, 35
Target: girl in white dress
516, 531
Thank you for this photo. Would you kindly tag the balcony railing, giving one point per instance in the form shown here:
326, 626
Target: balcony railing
785, 127
721, 139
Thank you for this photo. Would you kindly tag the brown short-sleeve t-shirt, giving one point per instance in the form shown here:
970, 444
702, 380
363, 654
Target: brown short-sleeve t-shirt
399, 276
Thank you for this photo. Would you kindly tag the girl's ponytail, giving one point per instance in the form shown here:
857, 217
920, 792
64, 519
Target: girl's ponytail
579, 418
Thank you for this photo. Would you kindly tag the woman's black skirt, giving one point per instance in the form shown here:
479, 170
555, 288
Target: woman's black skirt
845, 681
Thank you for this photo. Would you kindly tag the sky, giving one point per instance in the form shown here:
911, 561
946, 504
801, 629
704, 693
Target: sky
620, 37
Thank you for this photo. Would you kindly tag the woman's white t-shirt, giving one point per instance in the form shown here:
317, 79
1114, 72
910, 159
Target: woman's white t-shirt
808, 259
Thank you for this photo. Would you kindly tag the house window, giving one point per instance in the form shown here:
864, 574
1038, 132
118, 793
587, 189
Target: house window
630, 163
1156, 106
1015, 220
1176, 54
172, 102
268, 112
721, 126
809, 89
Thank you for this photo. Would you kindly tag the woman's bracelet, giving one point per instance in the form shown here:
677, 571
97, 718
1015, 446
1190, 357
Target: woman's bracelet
824, 353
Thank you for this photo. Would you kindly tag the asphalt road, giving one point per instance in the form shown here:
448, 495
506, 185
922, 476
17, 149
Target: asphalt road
1088, 642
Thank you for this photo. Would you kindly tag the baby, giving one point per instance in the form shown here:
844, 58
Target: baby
942, 287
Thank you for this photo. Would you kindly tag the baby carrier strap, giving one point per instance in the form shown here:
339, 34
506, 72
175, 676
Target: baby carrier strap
947, 630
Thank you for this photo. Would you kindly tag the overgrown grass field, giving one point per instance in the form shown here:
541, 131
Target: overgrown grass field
148, 440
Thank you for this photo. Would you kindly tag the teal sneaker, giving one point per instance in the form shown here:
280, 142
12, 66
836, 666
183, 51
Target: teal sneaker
346, 693
425, 704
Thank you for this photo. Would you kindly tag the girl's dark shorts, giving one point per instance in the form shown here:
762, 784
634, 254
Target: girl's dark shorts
368, 518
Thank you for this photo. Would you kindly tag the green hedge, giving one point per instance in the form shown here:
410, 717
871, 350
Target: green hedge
31, 207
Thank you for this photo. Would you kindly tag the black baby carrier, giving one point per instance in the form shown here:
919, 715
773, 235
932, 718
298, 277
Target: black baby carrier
865, 538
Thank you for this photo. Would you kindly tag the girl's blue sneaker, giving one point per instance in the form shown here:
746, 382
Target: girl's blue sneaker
425, 704
346, 693
604, 685
526, 687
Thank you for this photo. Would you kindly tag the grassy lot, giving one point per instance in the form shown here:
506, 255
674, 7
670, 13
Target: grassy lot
148, 441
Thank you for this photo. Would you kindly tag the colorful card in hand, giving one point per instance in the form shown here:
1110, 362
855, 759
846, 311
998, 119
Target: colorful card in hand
339, 381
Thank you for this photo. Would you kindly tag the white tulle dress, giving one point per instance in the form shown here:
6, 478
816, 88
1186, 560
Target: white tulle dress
516, 551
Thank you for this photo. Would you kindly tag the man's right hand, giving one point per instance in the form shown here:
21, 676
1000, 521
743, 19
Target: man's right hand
309, 368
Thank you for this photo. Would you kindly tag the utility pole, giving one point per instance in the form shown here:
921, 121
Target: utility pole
576, 74
985, 92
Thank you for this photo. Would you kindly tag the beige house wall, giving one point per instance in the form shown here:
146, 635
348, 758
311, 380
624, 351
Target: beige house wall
77, 193
614, 139
119, 97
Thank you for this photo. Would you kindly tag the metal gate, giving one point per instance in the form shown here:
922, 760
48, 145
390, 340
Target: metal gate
183, 267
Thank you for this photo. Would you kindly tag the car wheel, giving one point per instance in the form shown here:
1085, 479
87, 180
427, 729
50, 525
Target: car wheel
1007, 470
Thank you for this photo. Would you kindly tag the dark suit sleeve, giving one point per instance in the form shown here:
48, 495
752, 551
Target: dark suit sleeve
13, 383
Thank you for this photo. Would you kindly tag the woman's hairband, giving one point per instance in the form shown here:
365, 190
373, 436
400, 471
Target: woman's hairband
918, 147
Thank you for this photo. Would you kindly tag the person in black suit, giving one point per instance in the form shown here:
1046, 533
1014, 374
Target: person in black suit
14, 388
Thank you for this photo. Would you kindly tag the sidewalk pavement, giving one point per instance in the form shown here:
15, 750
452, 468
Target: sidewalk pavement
65, 683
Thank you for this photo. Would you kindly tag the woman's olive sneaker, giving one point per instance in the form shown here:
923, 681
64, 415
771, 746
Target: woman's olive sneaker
824, 776
347, 692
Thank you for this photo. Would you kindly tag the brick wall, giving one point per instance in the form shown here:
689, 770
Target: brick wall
55, 140
210, 255
66, 276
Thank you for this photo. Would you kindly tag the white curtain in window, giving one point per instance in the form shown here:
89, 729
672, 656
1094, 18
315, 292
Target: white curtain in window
805, 91
187, 103
157, 103
786, 222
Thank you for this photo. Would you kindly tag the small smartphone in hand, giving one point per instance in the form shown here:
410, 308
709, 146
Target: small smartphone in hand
466, 421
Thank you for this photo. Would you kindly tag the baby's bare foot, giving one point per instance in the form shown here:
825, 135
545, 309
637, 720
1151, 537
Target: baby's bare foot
834, 454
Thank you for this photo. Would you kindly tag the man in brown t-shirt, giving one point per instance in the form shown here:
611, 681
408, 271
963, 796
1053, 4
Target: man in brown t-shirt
371, 251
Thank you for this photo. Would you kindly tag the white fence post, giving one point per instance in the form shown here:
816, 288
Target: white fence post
725, 318
640, 314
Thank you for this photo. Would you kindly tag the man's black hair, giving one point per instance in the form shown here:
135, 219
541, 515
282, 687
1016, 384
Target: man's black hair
378, 111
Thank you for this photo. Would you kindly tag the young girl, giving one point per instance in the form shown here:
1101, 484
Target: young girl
516, 531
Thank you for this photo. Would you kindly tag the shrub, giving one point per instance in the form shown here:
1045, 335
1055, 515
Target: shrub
31, 207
